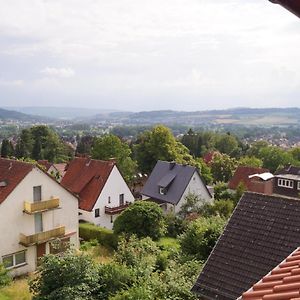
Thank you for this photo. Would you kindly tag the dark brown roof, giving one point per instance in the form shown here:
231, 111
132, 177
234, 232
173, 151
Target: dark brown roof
291, 170
262, 231
12, 172
283, 282
291, 5
86, 178
242, 175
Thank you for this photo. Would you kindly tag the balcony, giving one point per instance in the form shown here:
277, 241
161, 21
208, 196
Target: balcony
116, 210
42, 237
37, 207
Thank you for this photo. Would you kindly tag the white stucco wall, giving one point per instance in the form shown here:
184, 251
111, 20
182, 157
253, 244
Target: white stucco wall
115, 185
195, 186
14, 221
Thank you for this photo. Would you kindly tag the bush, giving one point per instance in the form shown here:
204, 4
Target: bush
4, 277
175, 225
222, 208
105, 237
143, 218
67, 276
201, 235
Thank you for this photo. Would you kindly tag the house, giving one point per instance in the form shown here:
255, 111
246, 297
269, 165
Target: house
262, 231
56, 170
102, 191
292, 5
287, 181
281, 283
35, 210
169, 184
256, 180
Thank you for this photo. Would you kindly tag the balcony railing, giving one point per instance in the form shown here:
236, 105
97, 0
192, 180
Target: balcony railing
42, 237
116, 209
36, 207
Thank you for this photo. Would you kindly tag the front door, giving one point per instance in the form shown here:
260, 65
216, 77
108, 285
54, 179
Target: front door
40, 251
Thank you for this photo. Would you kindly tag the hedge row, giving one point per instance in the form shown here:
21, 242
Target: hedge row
105, 237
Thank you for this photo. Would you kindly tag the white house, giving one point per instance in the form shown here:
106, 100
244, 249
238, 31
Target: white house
102, 191
35, 211
169, 183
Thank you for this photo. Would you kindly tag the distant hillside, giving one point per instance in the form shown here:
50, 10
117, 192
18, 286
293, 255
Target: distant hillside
60, 112
18, 116
239, 116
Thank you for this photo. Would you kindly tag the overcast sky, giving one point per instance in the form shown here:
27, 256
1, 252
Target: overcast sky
148, 54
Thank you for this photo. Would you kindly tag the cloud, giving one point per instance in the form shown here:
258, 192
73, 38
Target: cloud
11, 83
58, 72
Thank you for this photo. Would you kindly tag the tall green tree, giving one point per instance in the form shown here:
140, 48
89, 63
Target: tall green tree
159, 144
7, 148
223, 167
227, 144
110, 146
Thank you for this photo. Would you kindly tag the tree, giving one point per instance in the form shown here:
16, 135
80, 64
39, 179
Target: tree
159, 144
295, 152
274, 158
223, 167
226, 144
204, 170
192, 204
221, 191
252, 161
7, 148
222, 208
143, 218
201, 235
85, 144
256, 147
110, 146
65, 277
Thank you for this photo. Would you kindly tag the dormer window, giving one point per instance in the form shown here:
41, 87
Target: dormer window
163, 190
286, 183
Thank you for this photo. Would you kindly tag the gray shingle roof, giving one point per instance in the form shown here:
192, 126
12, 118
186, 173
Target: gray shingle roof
174, 177
262, 231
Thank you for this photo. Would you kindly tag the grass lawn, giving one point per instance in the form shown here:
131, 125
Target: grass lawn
17, 290
99, 253
168, 243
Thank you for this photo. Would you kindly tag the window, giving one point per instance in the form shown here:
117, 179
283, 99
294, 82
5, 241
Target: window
111, 219
286, 183
14, 260
162, 190
109, 200
298, 185
121, 199
97, 212
37, 193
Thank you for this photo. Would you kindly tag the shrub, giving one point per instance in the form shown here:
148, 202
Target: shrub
222, 208
143, 218
67, 276
201, 235
175, 225
105, 237
4, 277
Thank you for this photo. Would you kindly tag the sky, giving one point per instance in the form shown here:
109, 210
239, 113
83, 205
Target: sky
148, 55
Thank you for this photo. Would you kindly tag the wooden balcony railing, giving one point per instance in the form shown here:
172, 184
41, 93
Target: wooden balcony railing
41, 237
116, 210
36, 207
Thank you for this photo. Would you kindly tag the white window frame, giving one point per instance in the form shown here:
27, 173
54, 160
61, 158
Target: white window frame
14, 260
162, 190
286, 183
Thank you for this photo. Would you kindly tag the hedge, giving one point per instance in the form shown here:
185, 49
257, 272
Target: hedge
105, 237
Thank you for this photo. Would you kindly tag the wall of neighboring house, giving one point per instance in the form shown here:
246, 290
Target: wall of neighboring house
114, 187
286, 191
195, 186
14, 221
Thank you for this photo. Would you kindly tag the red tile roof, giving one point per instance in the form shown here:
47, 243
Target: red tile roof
281, 283
86, 177
208, 157
242, 175
12, 172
